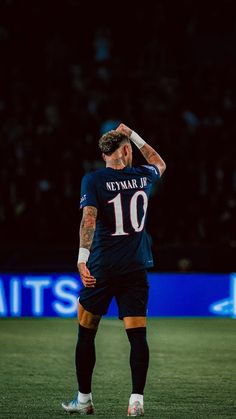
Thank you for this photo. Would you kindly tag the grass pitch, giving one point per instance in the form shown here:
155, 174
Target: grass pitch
192, 370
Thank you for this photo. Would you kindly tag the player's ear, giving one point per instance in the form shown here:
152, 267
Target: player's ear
104, 156
126, 150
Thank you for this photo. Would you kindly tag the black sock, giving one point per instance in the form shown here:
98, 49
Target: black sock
85, 358
139, 358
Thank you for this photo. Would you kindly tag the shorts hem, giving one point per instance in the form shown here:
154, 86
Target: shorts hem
92, 311
121, 317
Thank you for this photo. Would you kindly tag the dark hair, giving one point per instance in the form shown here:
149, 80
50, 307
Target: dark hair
111, 141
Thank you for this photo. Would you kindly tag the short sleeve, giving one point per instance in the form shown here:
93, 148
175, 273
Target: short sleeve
88, 193
154, 171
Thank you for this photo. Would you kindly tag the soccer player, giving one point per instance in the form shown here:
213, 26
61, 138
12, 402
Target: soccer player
114, 255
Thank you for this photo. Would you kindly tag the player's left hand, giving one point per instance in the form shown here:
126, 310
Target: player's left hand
88, 280
123, 129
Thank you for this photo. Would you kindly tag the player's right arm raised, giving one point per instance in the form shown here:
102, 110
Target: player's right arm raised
148, 152
87, 229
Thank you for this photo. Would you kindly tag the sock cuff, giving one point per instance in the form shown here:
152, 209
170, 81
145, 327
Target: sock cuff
85, 331
136, 331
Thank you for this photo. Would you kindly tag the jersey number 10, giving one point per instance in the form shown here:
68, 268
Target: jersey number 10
136, 224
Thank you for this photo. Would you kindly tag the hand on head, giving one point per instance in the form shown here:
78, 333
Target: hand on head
122, 128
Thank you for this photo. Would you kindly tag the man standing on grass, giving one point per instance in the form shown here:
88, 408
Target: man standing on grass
114, 254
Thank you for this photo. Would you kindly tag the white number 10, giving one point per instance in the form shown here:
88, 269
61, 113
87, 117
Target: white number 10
133, 213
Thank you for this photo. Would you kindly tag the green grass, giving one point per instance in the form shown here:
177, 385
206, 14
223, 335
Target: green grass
192, 370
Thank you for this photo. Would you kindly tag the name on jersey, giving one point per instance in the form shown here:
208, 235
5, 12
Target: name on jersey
127, 184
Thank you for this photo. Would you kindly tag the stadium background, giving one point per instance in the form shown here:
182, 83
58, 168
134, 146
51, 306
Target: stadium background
69, 71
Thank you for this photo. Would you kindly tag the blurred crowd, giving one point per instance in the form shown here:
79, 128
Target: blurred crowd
68, 75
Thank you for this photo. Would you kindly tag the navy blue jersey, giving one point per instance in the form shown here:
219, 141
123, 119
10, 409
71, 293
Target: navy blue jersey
121, 243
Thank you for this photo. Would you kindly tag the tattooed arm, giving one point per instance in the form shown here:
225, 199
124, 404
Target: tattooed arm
153, 157
87, 229
148, 152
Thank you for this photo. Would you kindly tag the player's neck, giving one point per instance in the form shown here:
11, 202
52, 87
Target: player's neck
115, 164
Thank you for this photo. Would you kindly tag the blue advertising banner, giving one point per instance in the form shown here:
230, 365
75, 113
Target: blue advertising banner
180, 294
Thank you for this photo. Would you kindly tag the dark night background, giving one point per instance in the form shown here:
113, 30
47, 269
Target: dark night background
70, 71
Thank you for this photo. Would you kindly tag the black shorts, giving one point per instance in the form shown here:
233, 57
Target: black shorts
130, 291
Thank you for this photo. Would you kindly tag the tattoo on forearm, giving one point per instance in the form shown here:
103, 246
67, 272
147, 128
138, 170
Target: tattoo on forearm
153, 157
87, 226
149, 154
